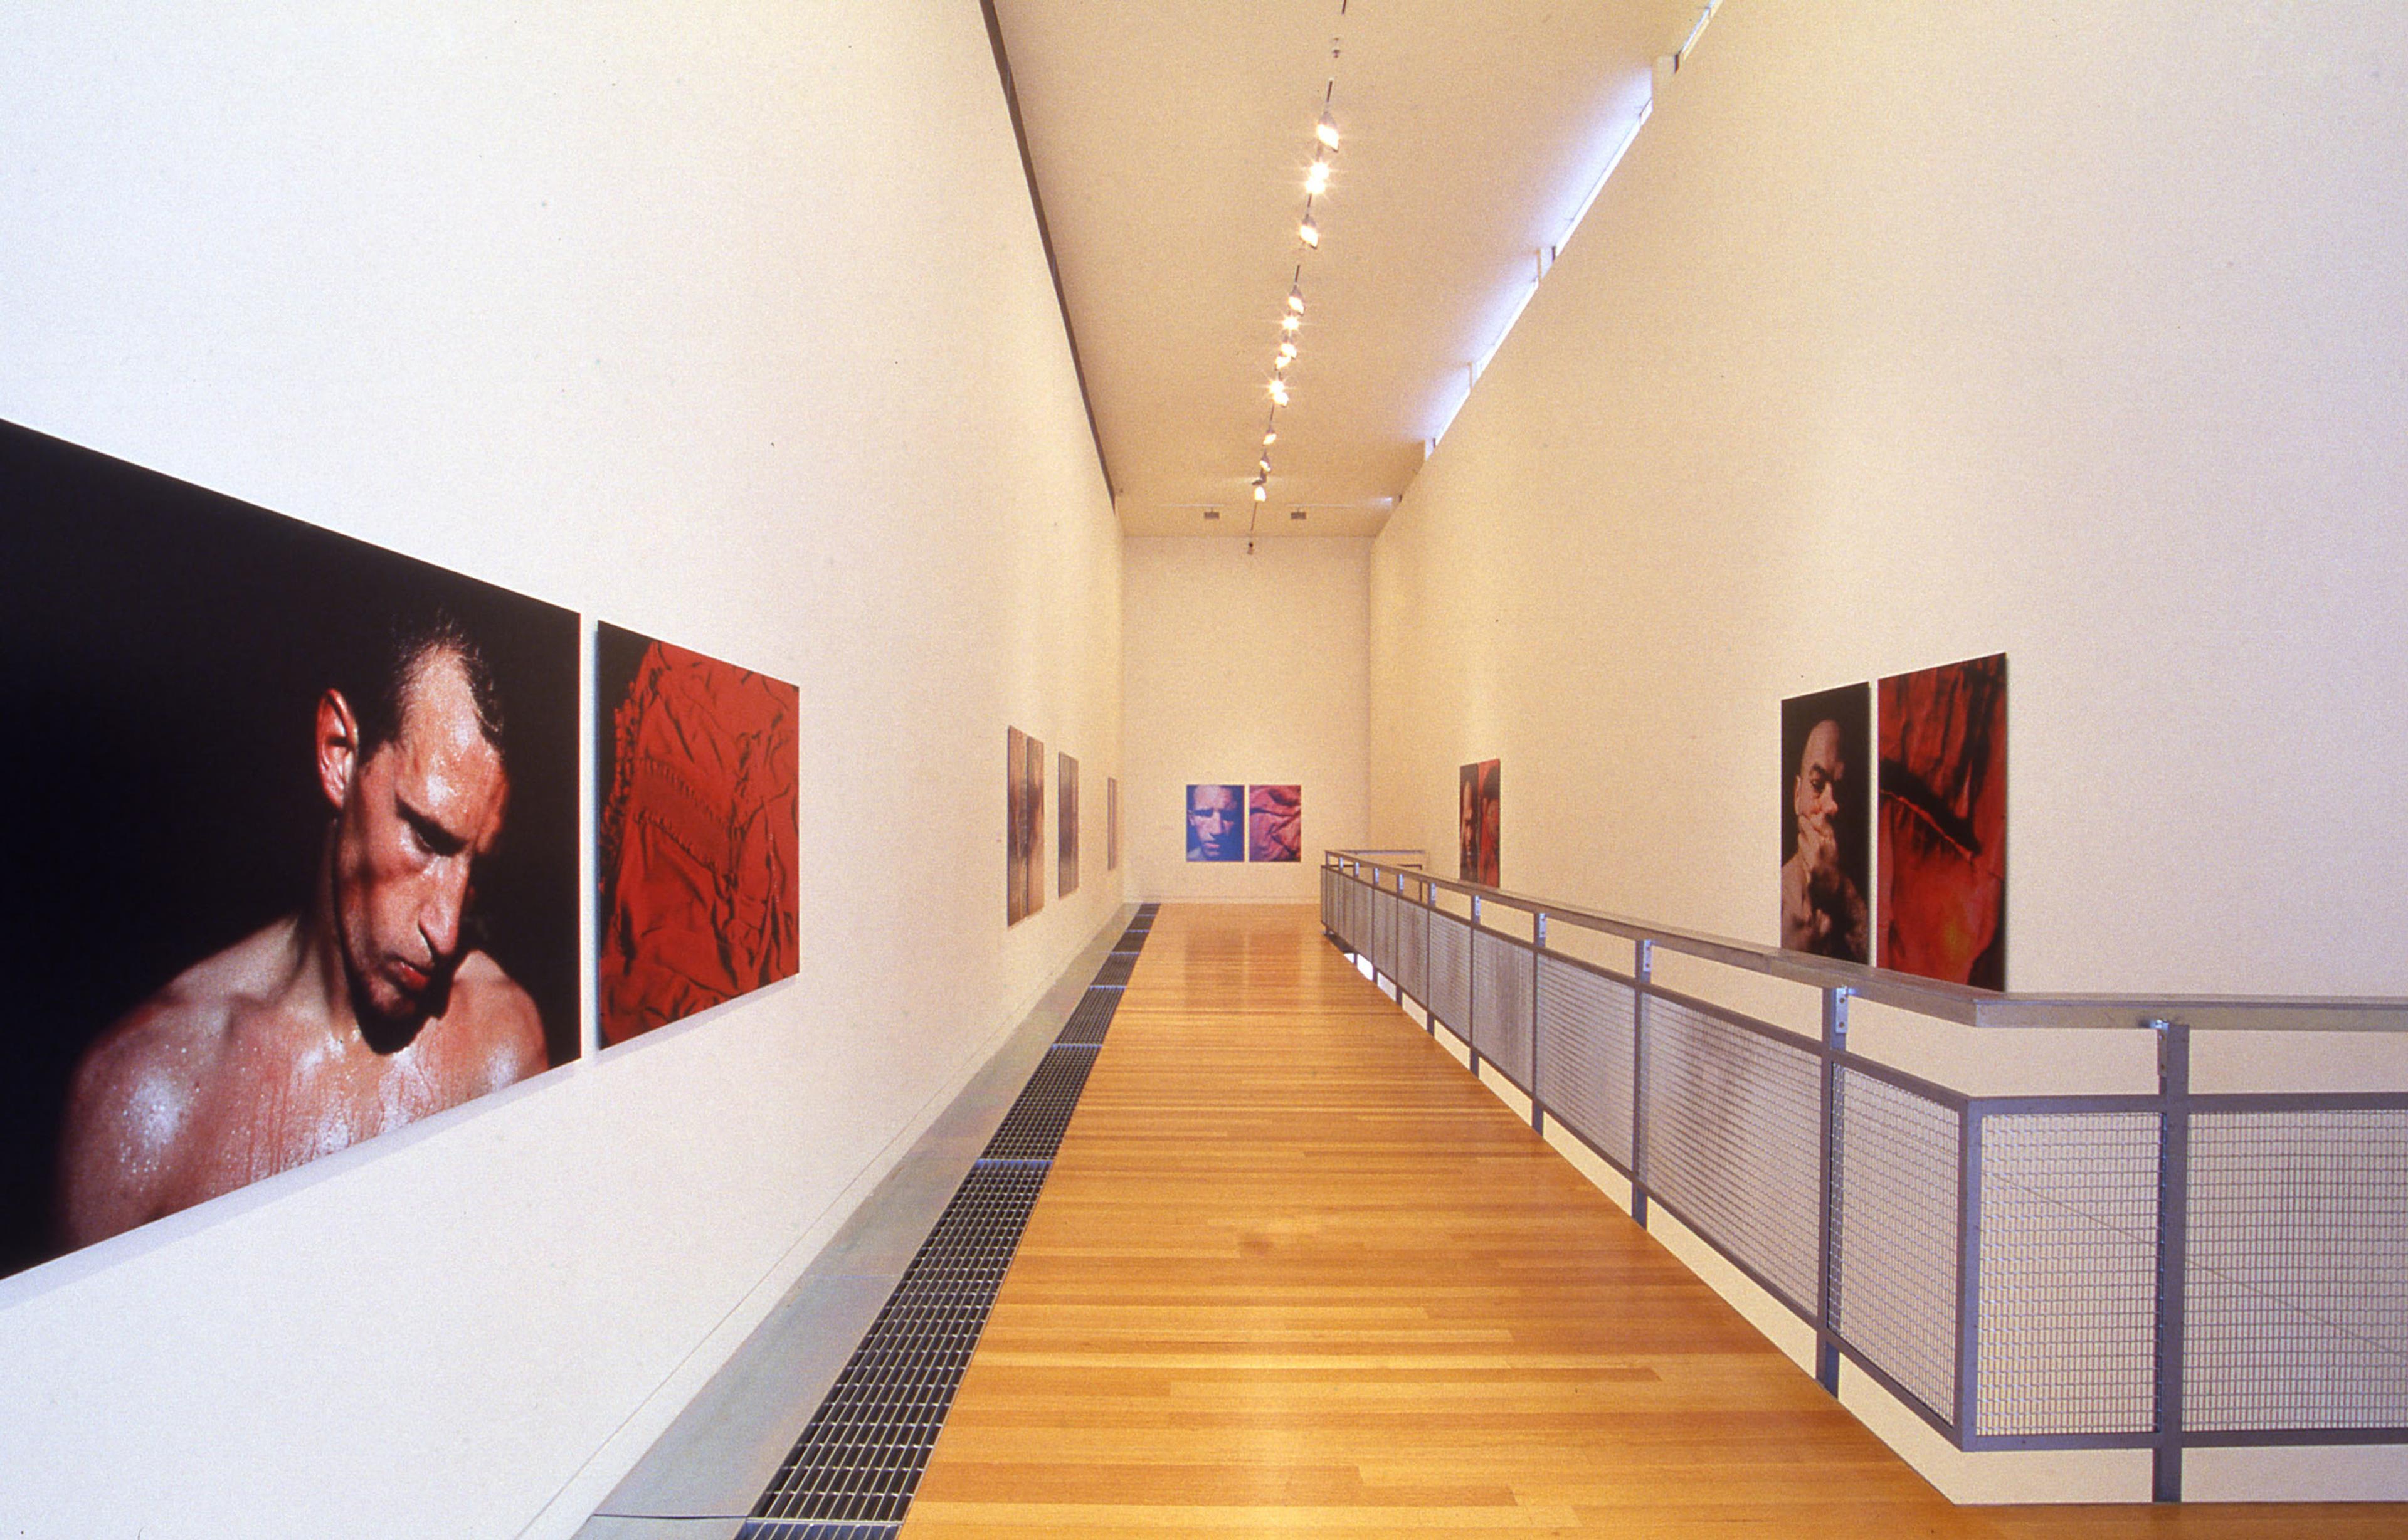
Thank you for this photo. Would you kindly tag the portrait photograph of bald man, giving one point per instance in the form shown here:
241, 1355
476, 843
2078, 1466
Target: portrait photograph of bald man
292, 860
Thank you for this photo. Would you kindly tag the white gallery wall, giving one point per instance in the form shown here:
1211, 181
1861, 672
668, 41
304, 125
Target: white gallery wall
1243, 669
1910, 333
727, 324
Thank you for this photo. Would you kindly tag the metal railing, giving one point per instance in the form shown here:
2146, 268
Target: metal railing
2164, 1271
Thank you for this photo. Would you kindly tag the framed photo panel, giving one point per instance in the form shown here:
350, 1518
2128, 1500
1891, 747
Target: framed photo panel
1066, 881
1825, 822
1024, 825
1274, 823
1476, 798
695, 786
296, 858
1216, 822
1944, 822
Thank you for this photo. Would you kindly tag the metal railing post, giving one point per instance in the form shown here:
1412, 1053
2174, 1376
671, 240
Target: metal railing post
1969, 1274
1835, 1042
2173, 1235
1538, 944
1642, 969
1471, 988
1429, 939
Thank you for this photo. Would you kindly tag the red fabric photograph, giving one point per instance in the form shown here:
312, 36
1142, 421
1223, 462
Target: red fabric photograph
699, 890
1476, 856
1274, 823
1944, 822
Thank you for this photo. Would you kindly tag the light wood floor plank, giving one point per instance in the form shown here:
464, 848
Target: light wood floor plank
1295, 1272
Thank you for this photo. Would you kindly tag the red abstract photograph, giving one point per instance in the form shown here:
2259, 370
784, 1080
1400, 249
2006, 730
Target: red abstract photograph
1476, 853
1944, 822
1066, 835
1024, 774
695, 763
1274, 824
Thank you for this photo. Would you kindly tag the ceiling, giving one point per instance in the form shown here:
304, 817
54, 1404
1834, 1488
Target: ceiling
1171, 142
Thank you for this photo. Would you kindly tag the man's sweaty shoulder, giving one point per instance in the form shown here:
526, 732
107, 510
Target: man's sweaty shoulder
491, 1034
134, 1095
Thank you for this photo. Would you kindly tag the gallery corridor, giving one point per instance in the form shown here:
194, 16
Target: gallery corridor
1296, 1272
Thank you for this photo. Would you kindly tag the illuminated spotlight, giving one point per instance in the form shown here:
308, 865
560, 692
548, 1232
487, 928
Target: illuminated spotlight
1295, 300
1290, 321
1316, 181
1326, 131
1310, 231
1262, 494
1278, 391
1269, 439
1287, 352
1264, 465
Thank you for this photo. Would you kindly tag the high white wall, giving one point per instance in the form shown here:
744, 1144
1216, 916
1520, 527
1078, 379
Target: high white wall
1913, 332
1908, 333
730, 323
1248, 669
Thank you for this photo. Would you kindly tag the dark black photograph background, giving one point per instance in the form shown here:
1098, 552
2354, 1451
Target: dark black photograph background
161, 653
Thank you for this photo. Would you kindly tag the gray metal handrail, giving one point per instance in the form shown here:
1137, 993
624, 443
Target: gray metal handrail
1959, 1004
2168, 1270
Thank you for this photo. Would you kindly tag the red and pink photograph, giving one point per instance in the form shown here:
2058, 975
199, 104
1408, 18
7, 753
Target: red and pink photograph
696, 764
1944, 822
1274, 824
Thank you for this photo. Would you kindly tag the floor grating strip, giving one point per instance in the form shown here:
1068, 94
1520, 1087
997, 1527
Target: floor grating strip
851, 1473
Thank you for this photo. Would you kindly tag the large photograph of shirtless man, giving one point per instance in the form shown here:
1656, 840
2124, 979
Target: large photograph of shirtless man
295, 851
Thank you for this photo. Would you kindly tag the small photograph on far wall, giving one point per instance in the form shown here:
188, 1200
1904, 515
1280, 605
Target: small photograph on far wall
1944, 822
695, 777
1274, 823
1066, 880
1216, 822
1825, 822
1111, 823
1025, 820
1477, 860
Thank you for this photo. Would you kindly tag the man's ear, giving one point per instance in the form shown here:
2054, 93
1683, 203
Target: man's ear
338, 748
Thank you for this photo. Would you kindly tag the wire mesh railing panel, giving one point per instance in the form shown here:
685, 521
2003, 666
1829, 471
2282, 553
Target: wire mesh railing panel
1383, 931
1328, 899
1450, 972
2069, 1255
2297, 1306
1734, 1132
1896, 1164
1585, 1064
1413, 933
1501, 1007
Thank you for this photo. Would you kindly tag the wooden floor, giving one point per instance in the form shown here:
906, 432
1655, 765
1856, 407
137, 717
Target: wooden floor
1296, 1273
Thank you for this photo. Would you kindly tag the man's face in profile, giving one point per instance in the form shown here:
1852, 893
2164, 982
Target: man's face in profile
418, 812
1816, 796
1215, 820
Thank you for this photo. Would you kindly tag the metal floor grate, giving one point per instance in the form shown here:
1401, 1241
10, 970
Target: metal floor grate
1032, 1129
860, 1458
852, 1473
1094, 1016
